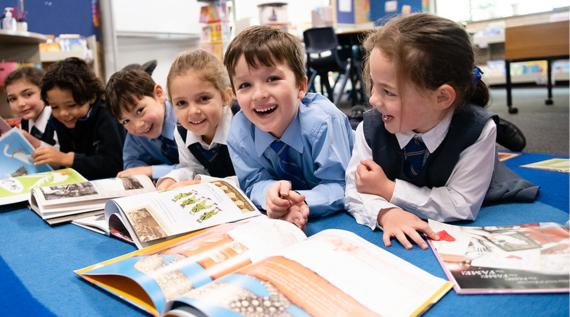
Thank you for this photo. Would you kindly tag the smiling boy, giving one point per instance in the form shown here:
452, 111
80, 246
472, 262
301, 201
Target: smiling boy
141, 107
289, 148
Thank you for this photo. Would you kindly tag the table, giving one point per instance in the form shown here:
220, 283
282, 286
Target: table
37, 261
546, 41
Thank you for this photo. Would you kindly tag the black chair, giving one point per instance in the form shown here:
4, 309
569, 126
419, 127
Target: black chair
321, 46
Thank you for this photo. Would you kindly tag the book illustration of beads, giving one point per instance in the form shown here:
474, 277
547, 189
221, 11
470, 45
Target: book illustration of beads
204, 204
208, 214
182, 195
189, 201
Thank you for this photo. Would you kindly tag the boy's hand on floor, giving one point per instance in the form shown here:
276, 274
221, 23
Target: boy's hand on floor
404, 225
52, 156
277, 201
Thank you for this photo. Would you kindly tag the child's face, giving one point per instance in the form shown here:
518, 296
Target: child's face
198, 104
24, 99
403, 110
64, 108
268, 96
147, 116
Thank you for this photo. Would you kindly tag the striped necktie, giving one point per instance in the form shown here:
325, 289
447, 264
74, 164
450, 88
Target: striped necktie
287, 168
414, 157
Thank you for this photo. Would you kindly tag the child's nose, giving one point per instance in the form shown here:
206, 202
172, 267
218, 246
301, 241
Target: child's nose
259, 93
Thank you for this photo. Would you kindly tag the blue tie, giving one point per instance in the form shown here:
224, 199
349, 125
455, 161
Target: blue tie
414, 157
169, 149
287, 169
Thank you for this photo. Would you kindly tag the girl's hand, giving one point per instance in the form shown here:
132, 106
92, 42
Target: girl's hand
371, 179
144, 170
277, 201
52, 156
404, 225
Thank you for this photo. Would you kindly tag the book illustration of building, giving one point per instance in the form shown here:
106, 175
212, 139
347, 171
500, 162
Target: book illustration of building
145, 225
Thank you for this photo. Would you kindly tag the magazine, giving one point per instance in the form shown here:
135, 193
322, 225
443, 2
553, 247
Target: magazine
16, 156
18, 189
159, 216
503, 156
272, 267
530, 258
555, 164
65, 202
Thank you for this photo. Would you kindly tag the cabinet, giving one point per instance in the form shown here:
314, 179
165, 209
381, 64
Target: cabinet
21, 47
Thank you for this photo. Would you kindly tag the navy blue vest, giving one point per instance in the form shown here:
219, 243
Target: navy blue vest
465, 128
47, 136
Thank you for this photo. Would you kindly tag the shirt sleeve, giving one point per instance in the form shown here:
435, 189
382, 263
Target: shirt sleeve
331, 151
363, 207
189, 165
463, 194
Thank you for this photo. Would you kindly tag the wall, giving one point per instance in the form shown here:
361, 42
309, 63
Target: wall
57, 16
377, 8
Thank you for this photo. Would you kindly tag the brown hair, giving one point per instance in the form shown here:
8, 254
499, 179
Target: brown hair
202, 62
126, 87
429, 51
266, 45
30, 74
74, 75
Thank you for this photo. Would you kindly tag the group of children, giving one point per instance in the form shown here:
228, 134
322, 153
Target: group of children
293, 152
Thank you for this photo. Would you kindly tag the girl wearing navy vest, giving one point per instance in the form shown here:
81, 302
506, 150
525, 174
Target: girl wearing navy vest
23, 89
201, 94
427, 148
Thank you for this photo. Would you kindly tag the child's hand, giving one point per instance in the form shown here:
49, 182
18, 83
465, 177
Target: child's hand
299, 211
165, 183
52, 156
144, 170
404, 225
184, 183
277, 200
32, 139
371, 179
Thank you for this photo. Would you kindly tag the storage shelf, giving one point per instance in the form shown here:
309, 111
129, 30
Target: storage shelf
7, 37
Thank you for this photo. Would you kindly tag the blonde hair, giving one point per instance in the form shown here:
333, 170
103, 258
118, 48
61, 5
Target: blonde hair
205, 64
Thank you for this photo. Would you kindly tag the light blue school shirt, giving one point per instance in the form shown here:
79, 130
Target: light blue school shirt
144, 151
320, 140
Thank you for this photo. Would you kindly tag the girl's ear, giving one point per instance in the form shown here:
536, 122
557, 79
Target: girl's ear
302, 88
445, 96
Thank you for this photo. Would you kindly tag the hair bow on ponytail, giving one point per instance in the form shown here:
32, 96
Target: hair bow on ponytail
477, 72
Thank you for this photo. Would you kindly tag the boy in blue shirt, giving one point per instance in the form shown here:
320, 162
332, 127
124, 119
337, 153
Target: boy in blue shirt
141, 107
289, 148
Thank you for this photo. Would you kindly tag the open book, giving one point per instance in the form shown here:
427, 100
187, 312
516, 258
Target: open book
154, 217
65, 202
18, 189
555, 164
16, 156
269, 266
530, 258
4, 126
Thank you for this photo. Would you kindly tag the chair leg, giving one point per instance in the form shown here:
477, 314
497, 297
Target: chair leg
346, 74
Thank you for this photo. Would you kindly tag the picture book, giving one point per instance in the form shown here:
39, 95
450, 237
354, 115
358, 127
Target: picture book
154, 217
503, 156
18, 189
555, 164
529, 258
65, 202
4, 126
16, 156
268, 267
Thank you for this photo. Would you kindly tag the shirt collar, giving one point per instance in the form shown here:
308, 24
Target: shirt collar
221, 135
432, 138
292, 136
42, 120
169, 121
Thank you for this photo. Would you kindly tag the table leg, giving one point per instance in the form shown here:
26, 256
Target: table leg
509, 87
549, 101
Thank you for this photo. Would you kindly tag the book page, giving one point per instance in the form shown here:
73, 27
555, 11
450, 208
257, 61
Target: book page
170, 269
332, 273
16, 189
16, 156
161, 215
555, 164
523, 258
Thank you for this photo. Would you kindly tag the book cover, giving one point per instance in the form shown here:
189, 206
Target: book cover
18, 189
16, 156
269, 266
529, 258
555, 164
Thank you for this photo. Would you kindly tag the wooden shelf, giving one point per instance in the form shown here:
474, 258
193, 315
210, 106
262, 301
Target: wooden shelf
7, 37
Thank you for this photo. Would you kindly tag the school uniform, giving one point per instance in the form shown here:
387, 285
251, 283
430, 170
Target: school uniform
456, 174
318, 142
40, 129
97, 141
199, 158
160, 153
